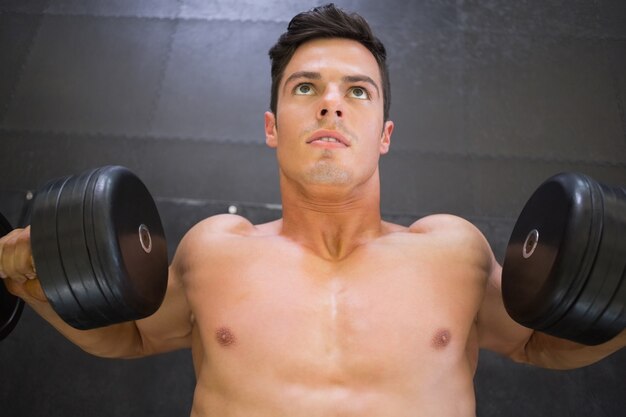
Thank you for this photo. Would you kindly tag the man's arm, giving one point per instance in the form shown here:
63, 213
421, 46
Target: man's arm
168, 329
501, 334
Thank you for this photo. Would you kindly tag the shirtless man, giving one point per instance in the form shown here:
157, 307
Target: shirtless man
329, 311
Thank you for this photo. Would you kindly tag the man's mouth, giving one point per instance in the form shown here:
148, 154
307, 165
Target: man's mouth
328, 139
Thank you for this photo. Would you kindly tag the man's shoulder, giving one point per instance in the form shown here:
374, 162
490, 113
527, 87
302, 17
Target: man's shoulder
444, 224
454, 232
218, 233
444, 231
456, 238
224, 225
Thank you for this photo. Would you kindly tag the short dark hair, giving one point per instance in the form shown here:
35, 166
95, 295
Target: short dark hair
326, 22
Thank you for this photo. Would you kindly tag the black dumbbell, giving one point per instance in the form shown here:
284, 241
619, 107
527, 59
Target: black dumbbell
564, 271
99, 248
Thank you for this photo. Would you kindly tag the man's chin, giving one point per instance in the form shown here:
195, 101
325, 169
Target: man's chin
328, 175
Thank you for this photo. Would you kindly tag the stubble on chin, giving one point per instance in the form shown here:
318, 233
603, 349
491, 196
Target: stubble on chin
328, 172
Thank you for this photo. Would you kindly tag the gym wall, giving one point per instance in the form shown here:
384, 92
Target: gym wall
489, 99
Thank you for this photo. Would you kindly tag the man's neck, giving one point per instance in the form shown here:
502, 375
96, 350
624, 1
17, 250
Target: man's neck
331, 221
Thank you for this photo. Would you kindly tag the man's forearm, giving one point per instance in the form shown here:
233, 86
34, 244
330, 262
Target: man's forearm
117, 341
551, 352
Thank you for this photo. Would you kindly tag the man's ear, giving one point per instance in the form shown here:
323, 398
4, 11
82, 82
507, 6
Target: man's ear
271, 137
385, 139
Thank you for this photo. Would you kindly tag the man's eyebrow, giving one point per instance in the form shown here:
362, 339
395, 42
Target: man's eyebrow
310, 75
360, 78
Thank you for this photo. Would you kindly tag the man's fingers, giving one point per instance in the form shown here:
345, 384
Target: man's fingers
5, 242
6, 254
3, 275
15, 256
23, 255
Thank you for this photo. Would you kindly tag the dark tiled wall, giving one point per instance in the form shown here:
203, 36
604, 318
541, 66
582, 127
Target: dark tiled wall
489, 99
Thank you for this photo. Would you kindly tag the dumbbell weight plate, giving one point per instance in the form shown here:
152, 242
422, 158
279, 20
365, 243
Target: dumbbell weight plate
111, 305
615, 207
46, 251
102, 278
126, 238
547, 259
115, 307
10, 306
74, 254
598, 314
563, 266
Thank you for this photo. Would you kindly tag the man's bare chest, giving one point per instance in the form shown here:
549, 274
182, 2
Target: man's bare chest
373, 315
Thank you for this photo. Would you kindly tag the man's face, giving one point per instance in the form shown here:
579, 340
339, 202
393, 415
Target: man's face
328, 128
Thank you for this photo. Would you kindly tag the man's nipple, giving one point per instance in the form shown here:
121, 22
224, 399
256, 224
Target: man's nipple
224, 336
441, 339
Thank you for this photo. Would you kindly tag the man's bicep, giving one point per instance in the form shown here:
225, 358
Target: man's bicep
169, 328
497, 331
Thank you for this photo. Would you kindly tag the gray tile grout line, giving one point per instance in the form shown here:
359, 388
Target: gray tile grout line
164, 67
465, 28
616, 86
4, 111
146, 17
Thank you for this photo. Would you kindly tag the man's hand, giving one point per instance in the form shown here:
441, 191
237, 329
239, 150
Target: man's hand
17, 268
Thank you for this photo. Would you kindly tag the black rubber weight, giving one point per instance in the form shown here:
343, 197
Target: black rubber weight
539, 289
111, 306
10, 306
571, 285
598, 314
74, 254
121, 207
46, 251
100, 274
115, 308
615, 312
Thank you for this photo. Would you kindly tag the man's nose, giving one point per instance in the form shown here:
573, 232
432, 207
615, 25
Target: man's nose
324, 112
331, 105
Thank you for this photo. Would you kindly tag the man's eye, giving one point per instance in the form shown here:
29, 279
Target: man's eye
359, 92
303, 89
